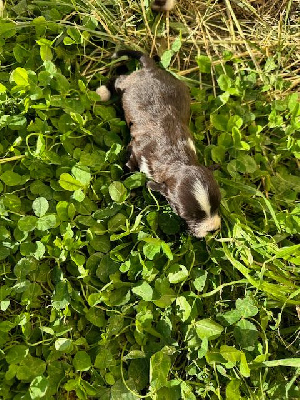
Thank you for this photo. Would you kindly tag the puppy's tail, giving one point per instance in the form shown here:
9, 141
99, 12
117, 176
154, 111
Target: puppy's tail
163, 5
145, 60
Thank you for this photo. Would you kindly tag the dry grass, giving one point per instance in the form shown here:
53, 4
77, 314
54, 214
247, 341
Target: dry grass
250, 30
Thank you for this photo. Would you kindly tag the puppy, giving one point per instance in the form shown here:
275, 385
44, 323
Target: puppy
163, 5
157, 110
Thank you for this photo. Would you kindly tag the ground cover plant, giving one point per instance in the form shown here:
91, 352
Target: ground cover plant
103, 293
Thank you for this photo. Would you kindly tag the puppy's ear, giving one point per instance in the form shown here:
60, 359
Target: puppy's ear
157, 187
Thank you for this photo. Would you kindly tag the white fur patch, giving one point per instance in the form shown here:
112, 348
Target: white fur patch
191, 144
103, 92
144, 167
169, 4
201, 196
208, 225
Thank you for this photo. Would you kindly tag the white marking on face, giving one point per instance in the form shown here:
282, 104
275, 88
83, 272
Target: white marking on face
201, 195
144, 167
103, 92
209, 224
191, 144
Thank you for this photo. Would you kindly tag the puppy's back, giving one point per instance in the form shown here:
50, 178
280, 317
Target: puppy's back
150, 93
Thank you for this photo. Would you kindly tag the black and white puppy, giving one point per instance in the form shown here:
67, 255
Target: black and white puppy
157, 110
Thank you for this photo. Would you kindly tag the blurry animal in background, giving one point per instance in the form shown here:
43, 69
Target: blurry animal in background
163, 5
157, 110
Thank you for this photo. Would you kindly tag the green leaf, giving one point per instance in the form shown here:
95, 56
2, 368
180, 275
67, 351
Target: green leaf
16, 354
176, 45
120, 392
82, 174
95, 316
117, 192
209, 329
166, 58
248, 163
67, 182
61, 295
30, 368
23, 267
46, 222
20, 77
184, 308
270, 65
62, 210
233, 390
27, 223
107, 113
166, 250
4, 252
200, 280
246, 307
117, 223
230, 354
244, 368
204, 64
2, 88
38, 387
177, 273
82, 361
78, 195
160, 364
144, 290
12, 202
164, 295
151, 249
218, 153
293, 102
246, 334
40, 206
6, 326
11, 178
135, 180
219, 121
230, 317
62, 85
224, 82
46, 53
101, 243
186, 392
62, 344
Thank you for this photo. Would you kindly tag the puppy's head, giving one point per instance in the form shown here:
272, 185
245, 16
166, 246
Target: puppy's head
195, 196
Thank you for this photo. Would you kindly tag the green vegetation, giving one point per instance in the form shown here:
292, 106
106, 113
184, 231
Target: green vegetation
103, 294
